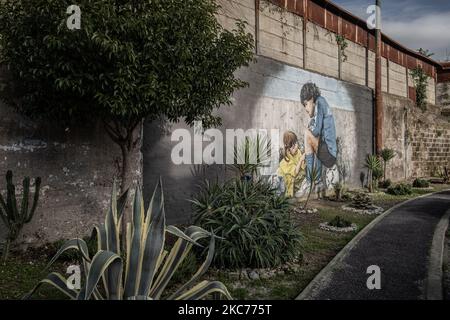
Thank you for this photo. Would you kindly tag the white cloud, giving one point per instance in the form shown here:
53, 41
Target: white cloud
430, 31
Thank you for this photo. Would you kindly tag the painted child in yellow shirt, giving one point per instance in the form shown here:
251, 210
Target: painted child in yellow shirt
293, 161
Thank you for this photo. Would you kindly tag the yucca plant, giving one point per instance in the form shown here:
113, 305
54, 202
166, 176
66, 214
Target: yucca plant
250, 156
13, 217
372, 164
387, 155
141, 269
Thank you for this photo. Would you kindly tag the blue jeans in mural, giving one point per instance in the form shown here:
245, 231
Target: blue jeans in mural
321, 134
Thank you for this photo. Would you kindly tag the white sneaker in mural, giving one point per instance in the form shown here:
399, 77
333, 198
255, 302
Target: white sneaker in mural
303, 190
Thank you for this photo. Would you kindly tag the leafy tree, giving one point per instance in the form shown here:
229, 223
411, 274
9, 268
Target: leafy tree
129, 61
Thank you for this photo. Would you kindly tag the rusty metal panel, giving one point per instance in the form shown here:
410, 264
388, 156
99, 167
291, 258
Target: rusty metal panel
393, 55
443, 76
361, 37
316, 13
349, 30
428, 68
371, 42
299, 8
412, 93
403, 60
280, 3
412, 62
384, 50
332, 22
291, 5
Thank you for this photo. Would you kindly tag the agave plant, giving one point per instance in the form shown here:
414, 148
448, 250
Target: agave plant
372, 164
142, 268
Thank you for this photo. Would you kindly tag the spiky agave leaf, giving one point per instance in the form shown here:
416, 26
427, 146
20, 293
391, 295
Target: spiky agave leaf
203, 289
203, 268
73, 244
153, 240
55, 280
102, 262
149, 267
176, 256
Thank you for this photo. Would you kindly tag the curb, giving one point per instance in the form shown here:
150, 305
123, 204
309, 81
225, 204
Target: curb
308, 292
434, 286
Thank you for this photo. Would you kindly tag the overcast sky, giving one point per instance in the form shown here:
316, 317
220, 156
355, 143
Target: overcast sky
413, 23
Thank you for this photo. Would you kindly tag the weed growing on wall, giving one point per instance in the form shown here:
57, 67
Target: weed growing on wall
420, 83
342, 44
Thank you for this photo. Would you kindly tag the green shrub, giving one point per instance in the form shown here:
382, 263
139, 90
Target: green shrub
339, 222
420, 183
400, 189
384, 184
253, 221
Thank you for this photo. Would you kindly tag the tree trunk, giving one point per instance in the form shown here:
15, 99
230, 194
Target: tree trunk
128, 137
125, 172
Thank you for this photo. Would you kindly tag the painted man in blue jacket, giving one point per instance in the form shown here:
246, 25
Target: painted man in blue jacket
320, 136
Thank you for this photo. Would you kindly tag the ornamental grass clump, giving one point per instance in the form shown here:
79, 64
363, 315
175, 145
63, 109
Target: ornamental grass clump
252, 221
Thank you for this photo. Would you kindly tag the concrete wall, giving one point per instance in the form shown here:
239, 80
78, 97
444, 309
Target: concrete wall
397, 80
271, 102
443, 94
280, 35
421, 139
321, 51
77, 166
232, 10
354, 69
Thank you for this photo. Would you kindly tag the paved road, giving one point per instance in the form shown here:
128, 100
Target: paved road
399, 244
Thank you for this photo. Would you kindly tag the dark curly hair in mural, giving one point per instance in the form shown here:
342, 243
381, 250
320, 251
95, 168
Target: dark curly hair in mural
309, 91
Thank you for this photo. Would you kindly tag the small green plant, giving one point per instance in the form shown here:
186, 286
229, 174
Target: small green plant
425, 52
400, 189
387, 155
420, 183
140, 268
385, 184
373, 166
444, 174
338, 190
362, 201
377, 174
252, 220
339, 222
13, 217
342, 44
313, 174
420, 79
